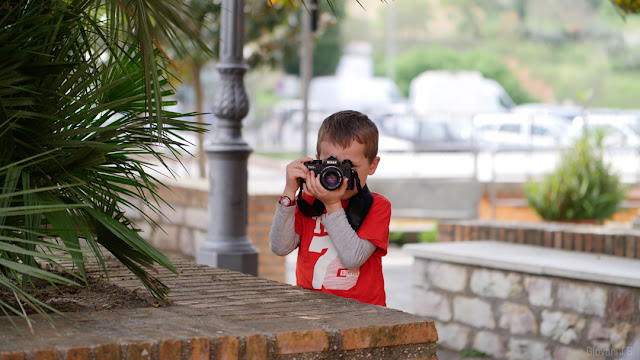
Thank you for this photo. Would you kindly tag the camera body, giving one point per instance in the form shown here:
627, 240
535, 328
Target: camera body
332, 172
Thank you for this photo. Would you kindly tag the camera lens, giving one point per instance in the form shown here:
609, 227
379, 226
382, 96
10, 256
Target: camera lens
331, 178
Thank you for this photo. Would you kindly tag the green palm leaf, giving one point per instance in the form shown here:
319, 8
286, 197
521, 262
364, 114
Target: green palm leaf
82, 84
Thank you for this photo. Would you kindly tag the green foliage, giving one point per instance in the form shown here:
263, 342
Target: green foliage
327, 47
581, 187
81, 121
473, 353
414, 62
429, 236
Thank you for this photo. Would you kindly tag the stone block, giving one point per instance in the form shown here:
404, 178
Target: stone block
420, 273
432, 304
518, 319
523, 349
493, 283
605, 336
585, 299
622, 305
489, 343
187, 240
167, 238
538, 290
448, 276
453, 336
474, 312
562, 327
196, 218
568, 353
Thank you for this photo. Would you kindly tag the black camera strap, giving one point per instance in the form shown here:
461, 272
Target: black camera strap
359, 205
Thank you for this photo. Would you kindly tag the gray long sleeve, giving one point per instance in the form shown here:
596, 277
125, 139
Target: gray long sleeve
352, 250
283, 238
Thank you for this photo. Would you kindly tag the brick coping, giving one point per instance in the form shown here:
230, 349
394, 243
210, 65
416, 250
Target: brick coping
222, 314
534, 260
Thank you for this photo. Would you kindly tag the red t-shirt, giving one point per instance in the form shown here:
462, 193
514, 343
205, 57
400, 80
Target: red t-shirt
319, 267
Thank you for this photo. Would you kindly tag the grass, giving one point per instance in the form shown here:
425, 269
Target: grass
473, 353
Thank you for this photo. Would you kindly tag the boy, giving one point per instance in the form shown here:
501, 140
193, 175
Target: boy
343, 234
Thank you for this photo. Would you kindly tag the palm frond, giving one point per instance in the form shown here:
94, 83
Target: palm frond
82, 88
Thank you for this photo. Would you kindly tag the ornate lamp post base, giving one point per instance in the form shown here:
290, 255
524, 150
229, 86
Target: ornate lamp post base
227, 244
245, 262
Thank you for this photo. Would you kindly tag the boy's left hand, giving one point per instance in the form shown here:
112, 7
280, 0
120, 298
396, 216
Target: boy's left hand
330, 198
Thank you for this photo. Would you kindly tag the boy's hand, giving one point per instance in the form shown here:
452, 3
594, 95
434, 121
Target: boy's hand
331, 199
295, 170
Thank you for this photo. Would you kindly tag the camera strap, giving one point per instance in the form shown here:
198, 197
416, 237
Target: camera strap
359, 205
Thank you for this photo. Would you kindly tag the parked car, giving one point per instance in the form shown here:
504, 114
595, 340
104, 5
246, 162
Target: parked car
621, 128
519, 131
436, 132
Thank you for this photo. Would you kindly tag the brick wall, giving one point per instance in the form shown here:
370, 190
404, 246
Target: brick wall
185, 224
579, 237
222, 314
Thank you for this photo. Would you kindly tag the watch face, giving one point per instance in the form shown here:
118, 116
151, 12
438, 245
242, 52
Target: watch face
285, 201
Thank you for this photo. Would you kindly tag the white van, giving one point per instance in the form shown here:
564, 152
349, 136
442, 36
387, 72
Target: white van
457, 92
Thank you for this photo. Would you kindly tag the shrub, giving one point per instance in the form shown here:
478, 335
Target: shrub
582, 187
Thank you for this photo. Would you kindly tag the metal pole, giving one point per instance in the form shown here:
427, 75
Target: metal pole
306, 70
227, 244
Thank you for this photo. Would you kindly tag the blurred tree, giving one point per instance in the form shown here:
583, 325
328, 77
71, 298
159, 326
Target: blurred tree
328, 45
268, 33
414, 62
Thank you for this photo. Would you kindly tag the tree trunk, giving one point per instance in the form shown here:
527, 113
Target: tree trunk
197, 85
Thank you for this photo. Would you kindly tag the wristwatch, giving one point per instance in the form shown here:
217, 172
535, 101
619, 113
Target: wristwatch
286, 201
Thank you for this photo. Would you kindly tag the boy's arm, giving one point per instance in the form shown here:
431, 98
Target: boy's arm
283, 238
353, 251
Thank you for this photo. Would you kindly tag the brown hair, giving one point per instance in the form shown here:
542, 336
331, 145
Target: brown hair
343, 127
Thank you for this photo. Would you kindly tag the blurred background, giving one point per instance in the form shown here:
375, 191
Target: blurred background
487, 90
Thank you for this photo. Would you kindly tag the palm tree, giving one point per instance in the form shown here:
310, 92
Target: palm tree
82, 84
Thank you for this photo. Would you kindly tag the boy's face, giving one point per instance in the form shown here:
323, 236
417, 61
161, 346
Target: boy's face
354, 152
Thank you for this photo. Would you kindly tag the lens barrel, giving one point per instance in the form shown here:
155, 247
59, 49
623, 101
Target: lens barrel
331, 178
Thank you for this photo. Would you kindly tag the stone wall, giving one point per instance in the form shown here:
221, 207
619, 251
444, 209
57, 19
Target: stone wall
579, 237
183, 227
509, 314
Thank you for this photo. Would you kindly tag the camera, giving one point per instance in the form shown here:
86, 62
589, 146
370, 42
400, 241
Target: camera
332, 172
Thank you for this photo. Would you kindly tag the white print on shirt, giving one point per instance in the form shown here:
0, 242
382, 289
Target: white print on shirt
329, 270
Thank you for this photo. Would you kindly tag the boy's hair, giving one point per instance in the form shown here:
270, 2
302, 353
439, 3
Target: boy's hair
343, 127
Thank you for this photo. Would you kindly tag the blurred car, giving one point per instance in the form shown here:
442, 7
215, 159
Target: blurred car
436, 132
457, 91
519, 131
540, 110
621, 128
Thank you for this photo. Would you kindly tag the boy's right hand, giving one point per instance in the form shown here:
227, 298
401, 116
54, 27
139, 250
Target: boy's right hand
295, 170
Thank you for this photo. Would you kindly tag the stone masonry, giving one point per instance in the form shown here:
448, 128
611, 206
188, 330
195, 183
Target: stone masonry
518, 315
221, 314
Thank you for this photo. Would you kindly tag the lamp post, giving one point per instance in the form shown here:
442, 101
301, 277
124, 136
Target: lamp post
227, 244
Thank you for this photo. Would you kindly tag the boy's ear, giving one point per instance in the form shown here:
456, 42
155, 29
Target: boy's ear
374, 165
